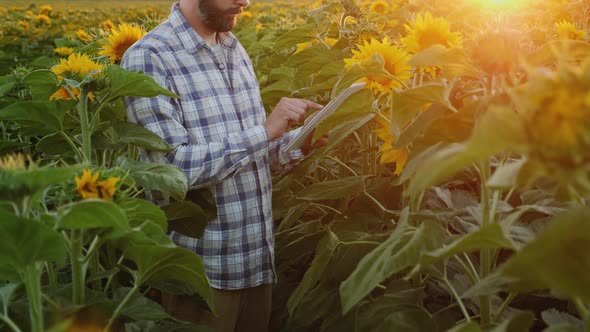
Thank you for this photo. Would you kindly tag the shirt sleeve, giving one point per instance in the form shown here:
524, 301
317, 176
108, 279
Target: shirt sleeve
203, 164
282, 161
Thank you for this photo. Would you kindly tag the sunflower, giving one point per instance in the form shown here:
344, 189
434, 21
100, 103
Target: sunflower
22, 24
259, 26
379, 7
107, 188
567, 30
328, 41
87, 184
83, 35
246, 14
108, 25
426, 31
45, 9
388, 153
77, 65
63, 51
120, 40
14, 162
395, 62
43, 19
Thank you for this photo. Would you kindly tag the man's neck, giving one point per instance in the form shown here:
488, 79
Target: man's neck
189, 10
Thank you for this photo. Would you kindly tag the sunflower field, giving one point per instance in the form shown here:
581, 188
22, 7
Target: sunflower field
452, 196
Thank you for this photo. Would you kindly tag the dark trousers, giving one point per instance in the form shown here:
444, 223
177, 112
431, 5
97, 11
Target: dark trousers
240, 310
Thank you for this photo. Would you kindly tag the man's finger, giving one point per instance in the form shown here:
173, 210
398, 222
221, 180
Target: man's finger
311, 105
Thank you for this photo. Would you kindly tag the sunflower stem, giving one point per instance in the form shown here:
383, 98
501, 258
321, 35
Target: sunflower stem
85, 127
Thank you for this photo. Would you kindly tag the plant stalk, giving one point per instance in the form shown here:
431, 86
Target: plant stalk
32, 279
85, 128
120, 306
485, 254
76, 257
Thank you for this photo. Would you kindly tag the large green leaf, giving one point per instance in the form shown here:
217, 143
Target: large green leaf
401, 250
47, 113
301, 34
334, 189
466, 327
126, 83
314, 272
419, 124
169, 180
139, 307
15, 184
564, 249
518, 322
93, 213
41, 83
54, 144
186, 218
561, 321
131, 133
25, 241
140, 210
409, 103
499, 129
560, 50
5, 88
488, 237
157, 263
356, 106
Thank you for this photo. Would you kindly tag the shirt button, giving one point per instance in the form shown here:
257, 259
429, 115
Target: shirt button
221, 66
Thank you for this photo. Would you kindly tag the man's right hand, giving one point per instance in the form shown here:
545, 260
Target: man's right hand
287, 113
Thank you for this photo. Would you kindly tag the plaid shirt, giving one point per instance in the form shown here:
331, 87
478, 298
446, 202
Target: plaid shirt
219, 139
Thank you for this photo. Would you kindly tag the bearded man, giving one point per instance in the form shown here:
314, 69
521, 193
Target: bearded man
224, 142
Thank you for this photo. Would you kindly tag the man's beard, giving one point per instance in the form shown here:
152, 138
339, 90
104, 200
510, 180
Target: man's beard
215, 18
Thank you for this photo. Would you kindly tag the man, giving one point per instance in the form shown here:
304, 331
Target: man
223, 143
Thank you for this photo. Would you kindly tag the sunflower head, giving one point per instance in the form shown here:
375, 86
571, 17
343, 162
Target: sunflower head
389, 155
395, 62
86, 185
120, 39
379, 7
63, 51
426, 31
89, 186
77, 66
246, 14
45, 9
495, 51
14, 162
43, 19
83, 35
567, 30
108, 25
555, 108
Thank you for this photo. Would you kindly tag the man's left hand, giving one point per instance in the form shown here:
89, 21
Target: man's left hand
308, 145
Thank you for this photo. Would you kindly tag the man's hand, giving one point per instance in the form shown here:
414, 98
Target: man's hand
308, 145
287, 113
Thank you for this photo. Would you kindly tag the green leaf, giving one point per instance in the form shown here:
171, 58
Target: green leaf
139, 307
506, 175
518, 322
438, 55
41, 83
556, 319
5, 88
140, 210
301, 34
169, 180
356, 106
15, 184
313, 274
466, 327
8, 147
127, 83
409, 103
488, 237
419, 124
47, 113
568, 51
563, 247
334, 189
499, 129
54, 144
132, 133
157, 263
401, 250
93, 213
6, 292
186, 218
24, 242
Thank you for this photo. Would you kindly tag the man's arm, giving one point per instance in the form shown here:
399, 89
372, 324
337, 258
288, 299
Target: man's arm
205, 163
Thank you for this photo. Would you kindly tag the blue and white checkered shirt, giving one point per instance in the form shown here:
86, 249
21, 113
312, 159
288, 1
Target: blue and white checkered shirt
217, 130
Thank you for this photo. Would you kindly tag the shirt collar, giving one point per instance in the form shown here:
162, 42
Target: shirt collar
190, 39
